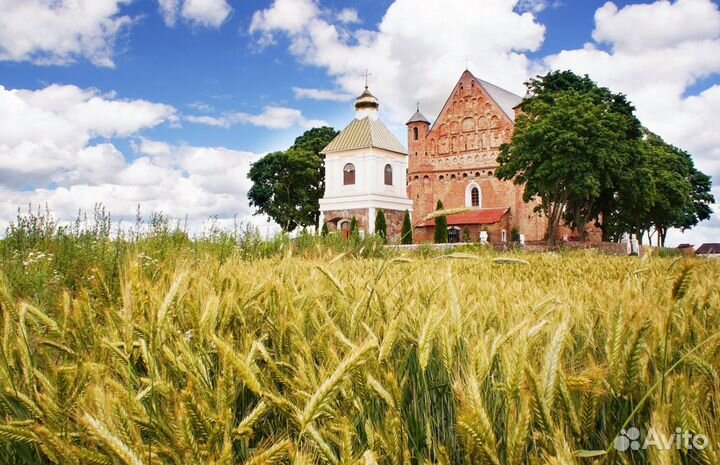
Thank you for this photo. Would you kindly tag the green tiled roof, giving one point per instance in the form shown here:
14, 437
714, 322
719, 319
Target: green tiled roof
365, 133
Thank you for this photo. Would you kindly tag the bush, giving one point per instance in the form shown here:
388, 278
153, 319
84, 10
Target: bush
441, 226
354, 232
407, 233
381, 225
465, 235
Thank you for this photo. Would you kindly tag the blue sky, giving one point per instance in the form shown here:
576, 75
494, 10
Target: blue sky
189, 92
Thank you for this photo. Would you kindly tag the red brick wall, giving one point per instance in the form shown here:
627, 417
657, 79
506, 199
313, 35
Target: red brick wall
393, 219
463, 146
332, 217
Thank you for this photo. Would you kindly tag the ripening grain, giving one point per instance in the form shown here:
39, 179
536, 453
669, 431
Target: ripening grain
455, 360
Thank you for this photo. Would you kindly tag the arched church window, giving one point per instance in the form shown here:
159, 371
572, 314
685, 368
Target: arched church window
475, 197
388, 175
349, 174
415, 133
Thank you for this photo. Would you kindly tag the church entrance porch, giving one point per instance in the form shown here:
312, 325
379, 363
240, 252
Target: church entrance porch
493, 223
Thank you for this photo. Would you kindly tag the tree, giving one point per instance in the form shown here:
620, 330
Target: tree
682, 194
324, 231
288, 185
571, 145
406, 236
441, 226
381, 225
664, 191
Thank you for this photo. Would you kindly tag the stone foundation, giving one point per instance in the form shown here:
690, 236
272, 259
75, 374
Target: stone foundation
393, 219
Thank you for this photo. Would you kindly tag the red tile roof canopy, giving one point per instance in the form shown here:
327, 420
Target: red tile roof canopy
479, 216
708, 248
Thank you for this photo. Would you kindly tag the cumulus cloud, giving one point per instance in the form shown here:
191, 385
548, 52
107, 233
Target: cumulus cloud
662, 24
410, 60
57, 149
348, 16
170, 10
60, 32
272, 117
208, 13
321, 94
44, 134
656, 59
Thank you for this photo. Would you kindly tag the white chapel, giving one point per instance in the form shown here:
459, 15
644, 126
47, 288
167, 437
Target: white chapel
365, 171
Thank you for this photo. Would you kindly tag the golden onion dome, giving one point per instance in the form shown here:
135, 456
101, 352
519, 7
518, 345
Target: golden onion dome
366, 100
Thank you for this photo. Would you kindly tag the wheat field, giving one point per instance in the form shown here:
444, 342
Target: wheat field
459, 359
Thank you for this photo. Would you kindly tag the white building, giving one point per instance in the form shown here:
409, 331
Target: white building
365, 171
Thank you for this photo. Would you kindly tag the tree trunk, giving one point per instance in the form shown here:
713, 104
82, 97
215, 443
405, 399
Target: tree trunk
554, 210
662, 233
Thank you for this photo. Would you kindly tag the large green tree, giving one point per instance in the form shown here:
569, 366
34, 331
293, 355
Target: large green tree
288, 185
681, 196
572, 145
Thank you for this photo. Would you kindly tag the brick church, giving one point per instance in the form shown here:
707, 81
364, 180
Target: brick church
452, 159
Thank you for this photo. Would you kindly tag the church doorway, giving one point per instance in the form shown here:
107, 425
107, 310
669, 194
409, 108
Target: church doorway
453, 235
344, 227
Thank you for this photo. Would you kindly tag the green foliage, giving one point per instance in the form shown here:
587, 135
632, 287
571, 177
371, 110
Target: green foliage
381, 225
680, 195
407, 233
354, 231
514, 234
440, 234
579, 149
324, 231
465, 234
288, 185
571, 144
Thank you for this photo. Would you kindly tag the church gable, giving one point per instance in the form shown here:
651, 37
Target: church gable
476, 117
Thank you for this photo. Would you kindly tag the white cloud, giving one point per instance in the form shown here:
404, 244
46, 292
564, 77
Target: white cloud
657, 52
44, 134
348, 16
208, 13
321, 94
60, 31
272, 117
200, 106
663, 24
410, 60
169, 9
49, 156
534, 6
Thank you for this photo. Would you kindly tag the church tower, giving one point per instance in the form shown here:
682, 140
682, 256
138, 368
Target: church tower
365, 171
419, 186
